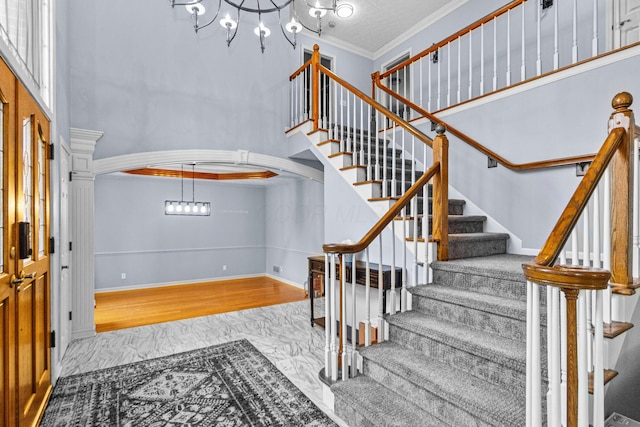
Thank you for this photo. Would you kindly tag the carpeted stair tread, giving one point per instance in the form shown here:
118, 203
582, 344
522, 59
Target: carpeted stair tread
379, 405
476, 237
506, 307
483, 344
490, 403
504, 266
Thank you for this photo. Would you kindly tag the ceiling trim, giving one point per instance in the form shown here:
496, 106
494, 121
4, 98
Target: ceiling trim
214, 176
413, 31
227, 157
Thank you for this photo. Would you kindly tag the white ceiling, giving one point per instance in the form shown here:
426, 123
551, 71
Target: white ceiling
375, 23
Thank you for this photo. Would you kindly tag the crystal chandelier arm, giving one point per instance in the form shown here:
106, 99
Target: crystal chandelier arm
284, 33
212, 19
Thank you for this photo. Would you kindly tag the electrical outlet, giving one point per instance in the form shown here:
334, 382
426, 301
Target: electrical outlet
123, 276
224, 267
276, 269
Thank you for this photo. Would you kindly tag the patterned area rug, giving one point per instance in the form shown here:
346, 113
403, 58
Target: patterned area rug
231, 384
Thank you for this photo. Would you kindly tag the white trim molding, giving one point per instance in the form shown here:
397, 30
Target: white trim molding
239, 157
83, 143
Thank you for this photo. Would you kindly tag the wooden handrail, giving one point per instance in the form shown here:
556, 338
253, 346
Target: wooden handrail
475, 144
579, 200
379, 107
353, 248
299, 71
454, 36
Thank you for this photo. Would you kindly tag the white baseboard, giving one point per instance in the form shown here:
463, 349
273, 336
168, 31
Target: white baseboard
287, 281
182, 282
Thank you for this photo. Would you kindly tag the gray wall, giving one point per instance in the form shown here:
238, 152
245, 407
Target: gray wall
294, 227
133, 236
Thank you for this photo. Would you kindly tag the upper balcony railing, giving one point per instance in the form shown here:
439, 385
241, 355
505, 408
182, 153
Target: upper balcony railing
516, 43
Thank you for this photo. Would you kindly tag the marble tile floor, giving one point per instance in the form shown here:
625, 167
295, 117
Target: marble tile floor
281, 332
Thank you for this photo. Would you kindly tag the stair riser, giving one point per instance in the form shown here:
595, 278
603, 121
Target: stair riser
486, 368
442, 408
483, 284
455, 227
459, 250
473, 317
349, 414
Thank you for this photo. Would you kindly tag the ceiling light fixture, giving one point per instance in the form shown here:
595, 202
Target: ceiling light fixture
231, 21
182, 207
344, 10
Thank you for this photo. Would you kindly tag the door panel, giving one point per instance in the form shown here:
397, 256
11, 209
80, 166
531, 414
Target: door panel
7, 290
65, 279
33, 295
626, 25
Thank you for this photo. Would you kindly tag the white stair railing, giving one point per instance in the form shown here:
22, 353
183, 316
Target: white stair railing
575, 324
480, 58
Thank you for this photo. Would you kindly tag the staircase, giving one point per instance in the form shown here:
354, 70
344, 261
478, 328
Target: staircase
458, 358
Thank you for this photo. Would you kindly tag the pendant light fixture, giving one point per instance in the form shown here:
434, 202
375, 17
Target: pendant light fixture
187, 208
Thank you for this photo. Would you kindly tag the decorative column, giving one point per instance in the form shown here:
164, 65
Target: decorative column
81, 209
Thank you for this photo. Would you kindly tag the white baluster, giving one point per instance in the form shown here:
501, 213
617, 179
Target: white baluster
354, 324
343, 317
553, 356
420, 84
327, 315
448, 74
363, 160
369, 136
575, 260
377, 140
341, 130
405, 108
606, 242
333, 325
508, 76
534, 408
574, 45
538, 46
385, 186
470, 68
348, 131
367, 298
459, 70
292, 120
596, 262
585, 237
429, 83
583, 371
563, 360
394, 182
305, 96
439, 79
381, 325
335, 109
495, 53
482, 59
598, 375
392, 264
636, 200
523, 65
556, 43
594, 41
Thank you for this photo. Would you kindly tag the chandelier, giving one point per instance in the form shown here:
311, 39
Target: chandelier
231, 19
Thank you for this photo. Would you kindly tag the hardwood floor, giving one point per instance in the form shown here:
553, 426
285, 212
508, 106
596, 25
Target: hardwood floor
127, 309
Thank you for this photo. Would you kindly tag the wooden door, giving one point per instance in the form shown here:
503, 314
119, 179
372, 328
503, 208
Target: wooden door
7, 251
24, 279
33, 295
626, 25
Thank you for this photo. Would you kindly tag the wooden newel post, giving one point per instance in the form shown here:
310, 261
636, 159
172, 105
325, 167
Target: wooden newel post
440, 208
621, 196
315, 86
375, 77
